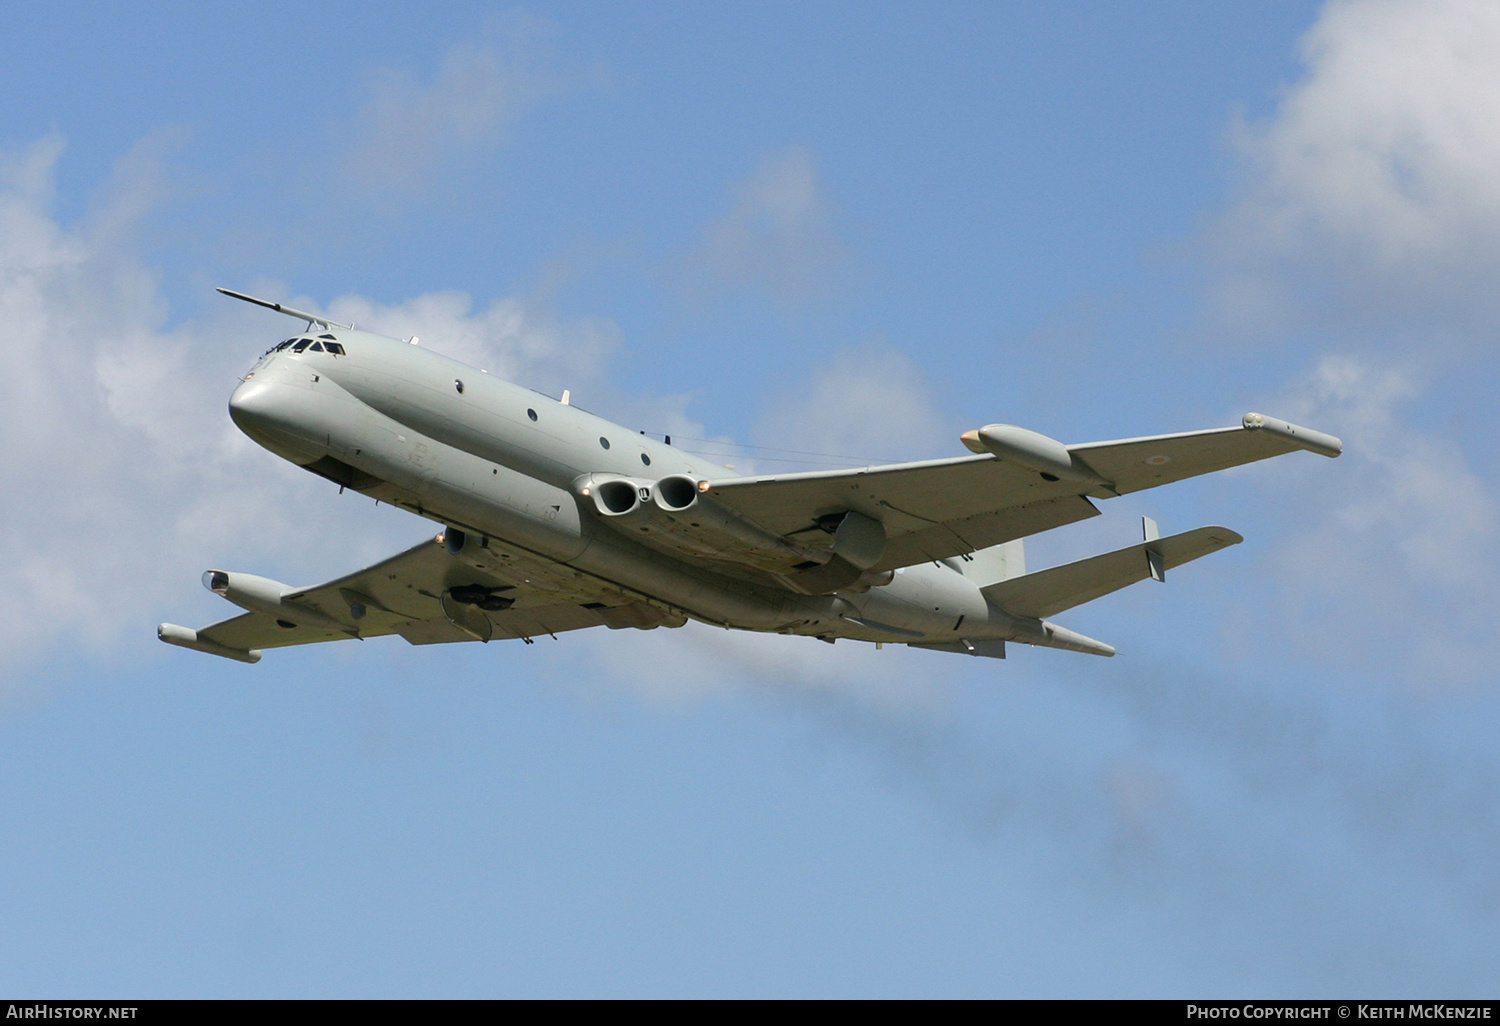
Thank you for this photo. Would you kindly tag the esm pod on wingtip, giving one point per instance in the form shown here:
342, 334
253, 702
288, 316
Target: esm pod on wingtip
555, 519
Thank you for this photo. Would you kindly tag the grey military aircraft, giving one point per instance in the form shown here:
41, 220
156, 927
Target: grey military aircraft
556, 520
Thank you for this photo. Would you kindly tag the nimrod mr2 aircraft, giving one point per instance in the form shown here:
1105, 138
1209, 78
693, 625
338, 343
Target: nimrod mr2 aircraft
555, 520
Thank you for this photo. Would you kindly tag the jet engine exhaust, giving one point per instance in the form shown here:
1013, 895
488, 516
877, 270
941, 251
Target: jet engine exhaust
676, 493
616, 498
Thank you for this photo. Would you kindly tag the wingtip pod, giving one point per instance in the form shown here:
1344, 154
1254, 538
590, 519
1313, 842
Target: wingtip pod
1301, 437
186, 637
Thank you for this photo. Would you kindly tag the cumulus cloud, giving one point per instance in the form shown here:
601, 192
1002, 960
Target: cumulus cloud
1375, 177
1307, 823
125, 476
870, 403
1397, 571
1371, 213
408, 130
1315, 819
511, 338
86, 456
777, 236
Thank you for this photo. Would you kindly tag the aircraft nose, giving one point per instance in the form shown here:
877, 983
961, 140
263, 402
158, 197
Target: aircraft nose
251, 407
276, 416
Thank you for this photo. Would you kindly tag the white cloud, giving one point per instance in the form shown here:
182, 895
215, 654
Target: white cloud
1400, 570
1376, 174
101, 423
125, 476
511, 338
778, 235
1372, 213
870, 403
407, 131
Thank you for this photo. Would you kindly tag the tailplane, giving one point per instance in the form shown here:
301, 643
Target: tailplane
1050, 591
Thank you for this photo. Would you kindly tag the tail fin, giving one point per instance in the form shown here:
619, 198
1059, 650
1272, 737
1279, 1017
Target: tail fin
997, 563
1062, 587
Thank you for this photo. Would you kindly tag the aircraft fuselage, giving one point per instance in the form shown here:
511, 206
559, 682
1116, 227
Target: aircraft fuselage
518, 469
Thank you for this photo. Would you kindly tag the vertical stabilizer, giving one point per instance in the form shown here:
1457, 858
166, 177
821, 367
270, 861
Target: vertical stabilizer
996, 563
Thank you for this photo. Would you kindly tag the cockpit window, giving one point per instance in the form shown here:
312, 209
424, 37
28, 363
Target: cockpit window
334, 348
325, 336
302, 343
317, 347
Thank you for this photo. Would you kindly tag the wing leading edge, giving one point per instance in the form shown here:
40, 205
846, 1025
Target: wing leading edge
941, 508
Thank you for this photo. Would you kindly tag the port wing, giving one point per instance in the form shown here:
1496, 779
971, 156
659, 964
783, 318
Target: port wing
428, 595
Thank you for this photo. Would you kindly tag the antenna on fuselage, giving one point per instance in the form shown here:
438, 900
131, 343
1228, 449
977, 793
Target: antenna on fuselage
300, 315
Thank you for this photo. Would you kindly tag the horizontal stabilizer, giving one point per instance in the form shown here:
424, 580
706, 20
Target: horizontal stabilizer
1055, 636
989, 648
1062, 587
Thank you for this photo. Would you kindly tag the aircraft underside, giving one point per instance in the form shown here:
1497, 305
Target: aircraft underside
558, 520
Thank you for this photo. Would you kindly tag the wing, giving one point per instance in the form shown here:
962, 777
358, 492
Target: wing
1133, 464
429, 595
929, 510
942, 508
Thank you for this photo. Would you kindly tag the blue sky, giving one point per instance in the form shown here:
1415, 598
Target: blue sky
845, 229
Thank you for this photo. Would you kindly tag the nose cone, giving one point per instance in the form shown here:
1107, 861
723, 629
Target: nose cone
242, 403
273, 415
256, 409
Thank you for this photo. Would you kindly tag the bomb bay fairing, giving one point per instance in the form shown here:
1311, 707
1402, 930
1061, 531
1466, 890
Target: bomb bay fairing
556, 520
